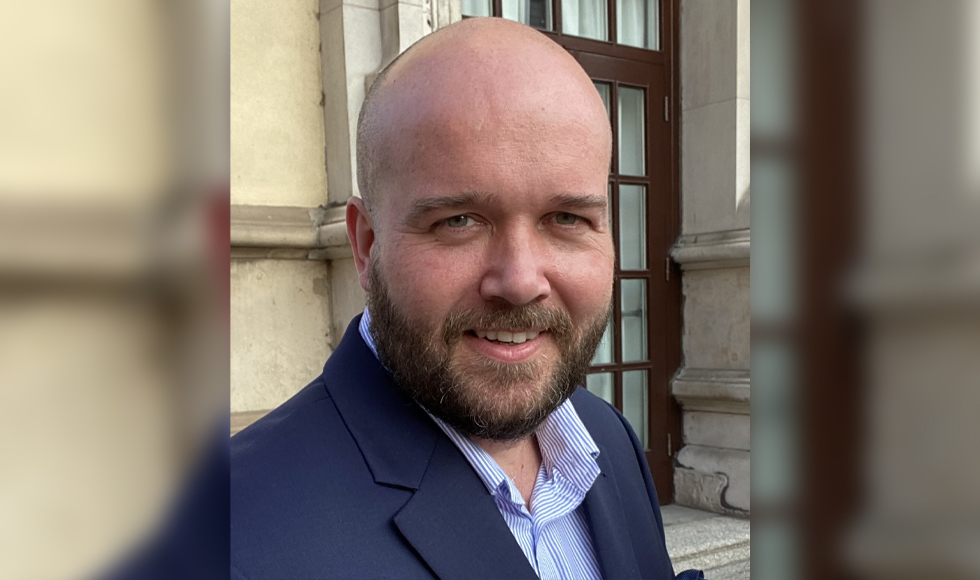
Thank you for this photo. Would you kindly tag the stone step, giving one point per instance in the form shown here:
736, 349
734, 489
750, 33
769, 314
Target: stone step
717, 544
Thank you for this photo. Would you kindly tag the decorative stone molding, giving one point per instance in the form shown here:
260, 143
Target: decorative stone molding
713, 478
296, 233
703, 491
719, 391
712, 250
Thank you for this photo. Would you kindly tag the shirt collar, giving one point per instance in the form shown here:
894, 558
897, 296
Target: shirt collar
566, 445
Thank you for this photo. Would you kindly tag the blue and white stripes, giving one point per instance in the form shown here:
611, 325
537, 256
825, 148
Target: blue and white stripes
554, 536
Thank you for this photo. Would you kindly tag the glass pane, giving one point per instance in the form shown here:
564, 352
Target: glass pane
634, 333
632, 227
632, 151
603, 89
585, 18
601, 384
635, 407
638, 23
477, 7
604, 354
535, 13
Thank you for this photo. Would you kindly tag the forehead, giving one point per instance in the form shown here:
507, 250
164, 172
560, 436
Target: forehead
509, 157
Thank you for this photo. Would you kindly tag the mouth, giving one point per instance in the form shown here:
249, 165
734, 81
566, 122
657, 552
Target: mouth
512, 336
507, 345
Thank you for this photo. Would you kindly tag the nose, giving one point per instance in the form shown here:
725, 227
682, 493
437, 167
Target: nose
517, 266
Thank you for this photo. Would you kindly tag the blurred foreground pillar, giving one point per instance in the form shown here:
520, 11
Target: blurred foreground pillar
918, 291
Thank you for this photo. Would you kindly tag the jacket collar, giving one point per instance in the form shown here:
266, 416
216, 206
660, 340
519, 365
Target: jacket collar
451, 520
392, 432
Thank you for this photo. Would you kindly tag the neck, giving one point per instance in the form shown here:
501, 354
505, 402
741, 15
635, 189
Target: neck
520, 460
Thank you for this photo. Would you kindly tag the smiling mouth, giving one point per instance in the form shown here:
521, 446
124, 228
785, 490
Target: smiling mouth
507, 336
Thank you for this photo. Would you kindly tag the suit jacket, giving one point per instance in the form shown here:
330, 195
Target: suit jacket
351, 479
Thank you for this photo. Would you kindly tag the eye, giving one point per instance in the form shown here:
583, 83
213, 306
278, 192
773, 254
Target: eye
459, 221
566, 219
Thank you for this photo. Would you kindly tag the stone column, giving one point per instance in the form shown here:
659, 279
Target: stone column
300, 71
713, 251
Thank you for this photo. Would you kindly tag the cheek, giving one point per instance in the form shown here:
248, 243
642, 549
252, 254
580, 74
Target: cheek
585, 285
431, 282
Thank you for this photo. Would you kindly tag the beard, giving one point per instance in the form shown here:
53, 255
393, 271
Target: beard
478, 396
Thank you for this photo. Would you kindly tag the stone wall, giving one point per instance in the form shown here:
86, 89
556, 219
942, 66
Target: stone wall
300, 70
713, 384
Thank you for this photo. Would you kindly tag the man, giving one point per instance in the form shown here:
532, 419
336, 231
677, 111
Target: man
448, 436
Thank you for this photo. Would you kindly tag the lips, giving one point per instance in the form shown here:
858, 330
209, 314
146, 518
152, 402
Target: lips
509, 351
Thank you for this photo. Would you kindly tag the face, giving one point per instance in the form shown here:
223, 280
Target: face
489, 275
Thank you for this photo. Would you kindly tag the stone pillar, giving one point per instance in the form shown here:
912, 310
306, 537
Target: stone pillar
713, 251
359, 38
280, 303
301, 70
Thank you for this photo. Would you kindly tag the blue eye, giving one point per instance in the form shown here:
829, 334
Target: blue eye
459, 221
566, 219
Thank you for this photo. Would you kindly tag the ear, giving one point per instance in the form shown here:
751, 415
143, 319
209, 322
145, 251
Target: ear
360, 232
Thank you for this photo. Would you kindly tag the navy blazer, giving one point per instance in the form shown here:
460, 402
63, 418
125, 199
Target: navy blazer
351, 479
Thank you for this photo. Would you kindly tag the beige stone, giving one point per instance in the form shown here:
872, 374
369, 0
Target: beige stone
713, 145
280, 329
709, 66
716, 319
717, 430
733, 464
277, 143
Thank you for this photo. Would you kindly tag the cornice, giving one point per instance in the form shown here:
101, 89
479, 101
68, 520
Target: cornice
288, 233
728, 249
720, 391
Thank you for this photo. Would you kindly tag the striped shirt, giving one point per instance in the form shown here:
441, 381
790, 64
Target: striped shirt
553, 534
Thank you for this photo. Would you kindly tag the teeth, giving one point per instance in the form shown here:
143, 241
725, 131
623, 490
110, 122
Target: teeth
507, 336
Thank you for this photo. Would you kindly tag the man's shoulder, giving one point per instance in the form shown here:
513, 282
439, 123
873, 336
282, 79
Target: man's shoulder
302, 494
283, 421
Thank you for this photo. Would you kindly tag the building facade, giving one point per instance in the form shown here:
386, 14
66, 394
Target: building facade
675, 77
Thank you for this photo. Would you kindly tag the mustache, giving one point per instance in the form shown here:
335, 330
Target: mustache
554, 320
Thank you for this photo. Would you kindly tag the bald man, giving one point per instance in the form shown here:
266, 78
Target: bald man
449, 435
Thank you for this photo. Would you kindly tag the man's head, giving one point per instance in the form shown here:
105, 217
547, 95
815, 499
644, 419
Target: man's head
483, 236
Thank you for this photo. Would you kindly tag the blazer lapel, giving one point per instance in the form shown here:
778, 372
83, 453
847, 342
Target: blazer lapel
453, 522
610, 538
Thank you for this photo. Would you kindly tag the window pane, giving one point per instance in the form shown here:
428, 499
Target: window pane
585, 18
632, 227
634, 307
535, 13
635, 407
477, 7
603, 89
601, 384
632, 132
604, 354
638, 23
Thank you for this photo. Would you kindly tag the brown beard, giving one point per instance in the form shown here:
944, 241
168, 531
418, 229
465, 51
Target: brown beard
486, 399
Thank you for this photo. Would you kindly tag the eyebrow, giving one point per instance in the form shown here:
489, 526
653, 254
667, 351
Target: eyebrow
423, 207
572, 201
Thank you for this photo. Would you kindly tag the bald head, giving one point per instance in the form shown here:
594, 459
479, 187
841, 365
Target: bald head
480, 79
